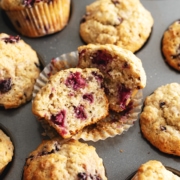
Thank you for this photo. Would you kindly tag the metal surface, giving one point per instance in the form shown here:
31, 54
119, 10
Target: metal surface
122, 154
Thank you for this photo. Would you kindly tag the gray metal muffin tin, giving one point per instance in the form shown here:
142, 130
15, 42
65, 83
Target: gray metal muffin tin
122, 154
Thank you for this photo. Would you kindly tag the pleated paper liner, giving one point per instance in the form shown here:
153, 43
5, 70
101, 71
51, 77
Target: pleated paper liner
41, 18
114, 124
64, 61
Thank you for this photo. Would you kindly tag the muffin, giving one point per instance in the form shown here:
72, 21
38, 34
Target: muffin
72, 99
159, 120
114, 124
125, 23
19, 68
35, 18
154, 170
170, 45
6, 150
123, 72
71, 160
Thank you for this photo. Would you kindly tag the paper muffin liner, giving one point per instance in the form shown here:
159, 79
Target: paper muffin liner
114, 124
41, 19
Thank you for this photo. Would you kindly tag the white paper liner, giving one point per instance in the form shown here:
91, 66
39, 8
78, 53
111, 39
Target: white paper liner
64, 61
114, 124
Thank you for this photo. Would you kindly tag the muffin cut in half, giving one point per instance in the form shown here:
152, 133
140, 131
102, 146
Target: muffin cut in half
123, 72
72, 99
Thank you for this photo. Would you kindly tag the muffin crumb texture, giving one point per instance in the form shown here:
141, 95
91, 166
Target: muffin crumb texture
123, 72
72, 99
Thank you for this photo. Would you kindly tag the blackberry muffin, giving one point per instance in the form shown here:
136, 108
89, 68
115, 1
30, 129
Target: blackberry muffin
154, 170
35, 18
159, 120
123, 72
125, 23
71, 99
6, 150
114, 124
70, 160
19, 68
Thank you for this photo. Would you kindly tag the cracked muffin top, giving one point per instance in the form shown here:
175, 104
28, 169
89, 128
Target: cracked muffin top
160, 118
154, 170
19, 68
125, 23
123, 72
171, 45
70, 160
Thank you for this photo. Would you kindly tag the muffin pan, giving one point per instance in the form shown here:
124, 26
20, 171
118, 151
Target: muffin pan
124, 153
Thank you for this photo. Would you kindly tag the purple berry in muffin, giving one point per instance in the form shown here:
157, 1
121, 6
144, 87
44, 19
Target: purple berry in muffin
88, 97
101, 58
76, 81
11, 39
59, 118
80, 112
5, 85
124, 95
